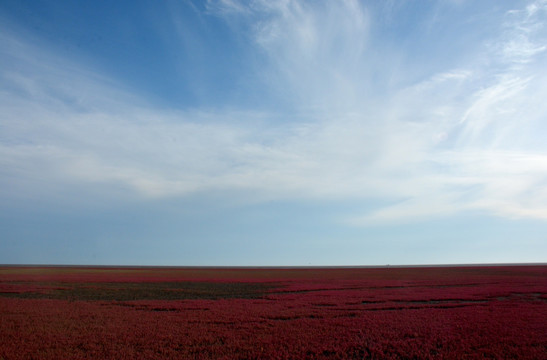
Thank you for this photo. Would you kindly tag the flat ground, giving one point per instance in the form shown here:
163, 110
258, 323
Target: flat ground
295, 313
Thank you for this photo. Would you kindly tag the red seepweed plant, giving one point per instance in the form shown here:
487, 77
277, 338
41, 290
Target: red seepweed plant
230, 313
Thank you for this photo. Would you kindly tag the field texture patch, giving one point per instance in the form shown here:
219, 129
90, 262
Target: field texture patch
230, 313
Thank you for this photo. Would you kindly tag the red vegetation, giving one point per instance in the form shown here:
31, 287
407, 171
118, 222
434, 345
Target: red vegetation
180, 313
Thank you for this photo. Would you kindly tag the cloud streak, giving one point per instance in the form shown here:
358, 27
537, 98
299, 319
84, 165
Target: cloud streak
467, 138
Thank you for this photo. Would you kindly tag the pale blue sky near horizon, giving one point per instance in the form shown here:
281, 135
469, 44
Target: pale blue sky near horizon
227, 132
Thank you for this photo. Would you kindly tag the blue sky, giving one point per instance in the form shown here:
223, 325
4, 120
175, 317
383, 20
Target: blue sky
261, 132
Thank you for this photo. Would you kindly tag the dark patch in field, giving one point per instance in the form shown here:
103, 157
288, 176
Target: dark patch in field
129, 291
440, 301
398, 308
164, 309
372, 302
292, 317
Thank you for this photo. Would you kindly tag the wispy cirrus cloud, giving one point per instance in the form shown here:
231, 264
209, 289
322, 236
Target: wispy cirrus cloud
467, 138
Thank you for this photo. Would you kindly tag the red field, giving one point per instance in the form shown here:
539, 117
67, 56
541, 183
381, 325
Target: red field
337, 313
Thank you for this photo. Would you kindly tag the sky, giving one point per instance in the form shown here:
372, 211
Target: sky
273, 133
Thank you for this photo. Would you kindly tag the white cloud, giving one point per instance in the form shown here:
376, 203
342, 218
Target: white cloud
464, 139
314, 50
525, 33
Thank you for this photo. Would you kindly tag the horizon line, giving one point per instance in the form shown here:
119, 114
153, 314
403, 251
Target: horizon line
274, 266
